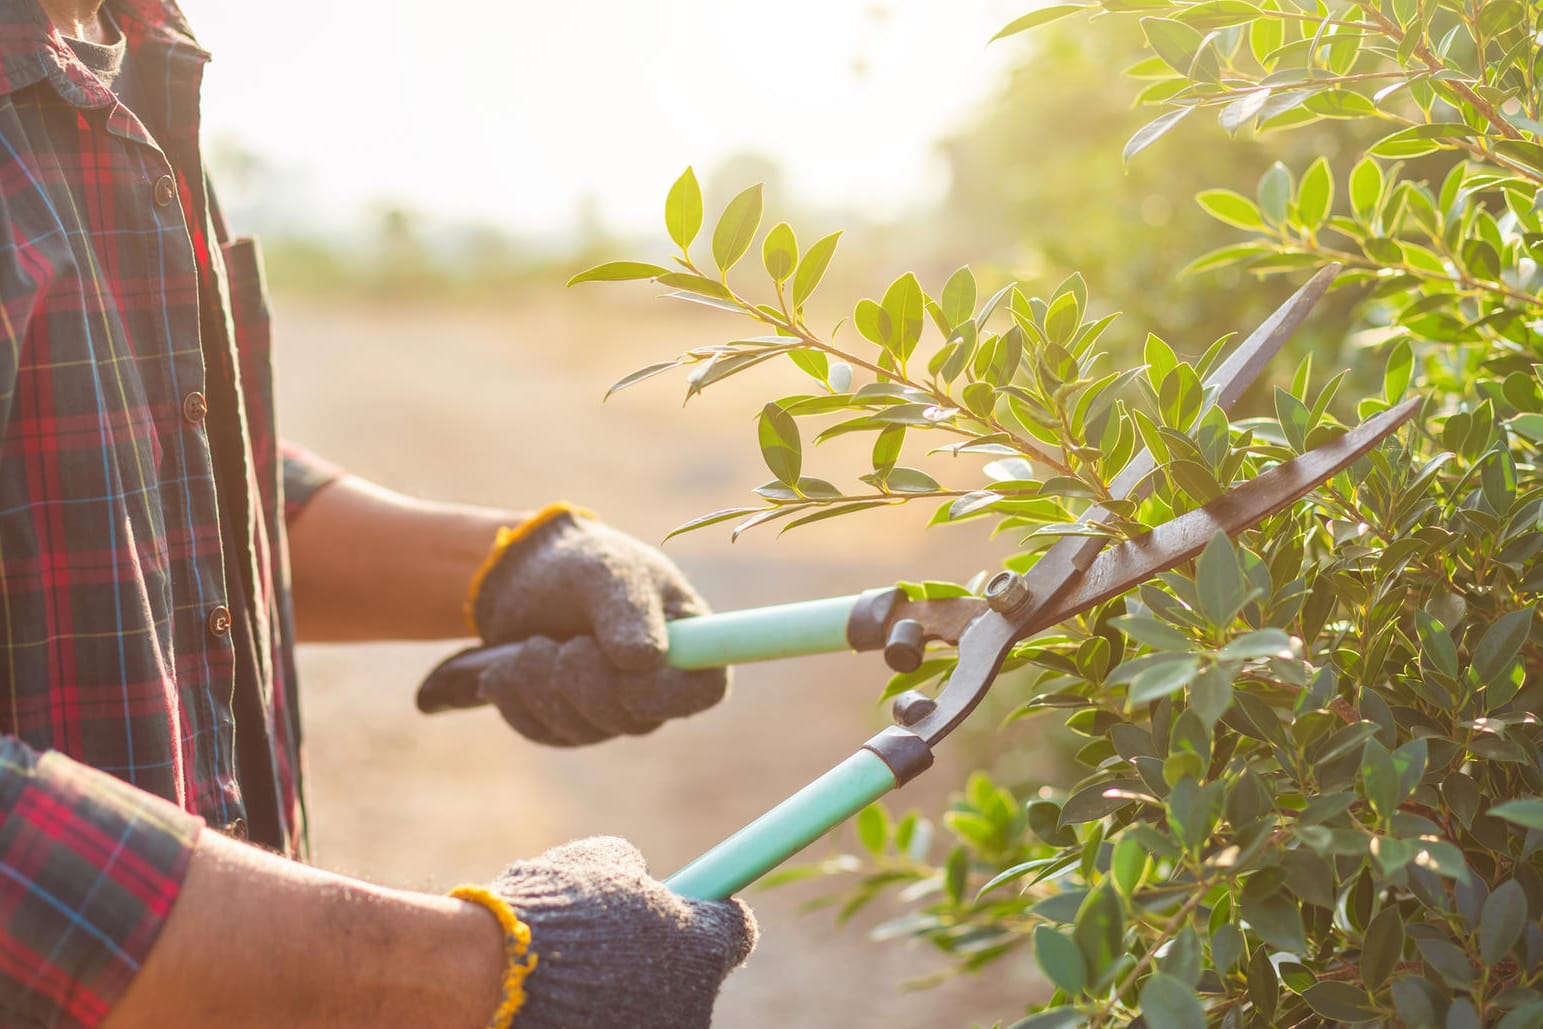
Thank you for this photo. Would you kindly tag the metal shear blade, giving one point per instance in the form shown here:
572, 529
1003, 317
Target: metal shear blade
990, 636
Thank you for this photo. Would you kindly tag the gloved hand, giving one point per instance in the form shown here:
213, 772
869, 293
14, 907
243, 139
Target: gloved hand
587, 606
613, 947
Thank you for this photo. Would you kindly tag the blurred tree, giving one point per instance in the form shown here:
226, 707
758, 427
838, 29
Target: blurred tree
1038, 184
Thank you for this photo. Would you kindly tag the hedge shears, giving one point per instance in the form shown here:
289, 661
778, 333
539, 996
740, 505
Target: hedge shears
1071, 576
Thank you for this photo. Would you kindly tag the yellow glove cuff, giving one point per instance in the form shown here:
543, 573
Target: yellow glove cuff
507, 537
516, 946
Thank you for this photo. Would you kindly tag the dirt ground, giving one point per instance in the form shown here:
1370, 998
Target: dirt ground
503, 407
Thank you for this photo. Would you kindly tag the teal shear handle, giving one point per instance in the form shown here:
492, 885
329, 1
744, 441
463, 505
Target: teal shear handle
830, 626
762, 633
786, 829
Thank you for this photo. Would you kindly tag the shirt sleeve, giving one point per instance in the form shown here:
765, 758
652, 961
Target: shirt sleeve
89, 870
304, 476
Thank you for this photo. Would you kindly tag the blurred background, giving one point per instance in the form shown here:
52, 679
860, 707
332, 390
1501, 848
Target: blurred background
424, 185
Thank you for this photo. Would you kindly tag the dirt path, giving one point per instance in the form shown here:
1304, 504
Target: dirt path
504, 408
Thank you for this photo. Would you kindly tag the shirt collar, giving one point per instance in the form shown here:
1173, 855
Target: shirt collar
31, 49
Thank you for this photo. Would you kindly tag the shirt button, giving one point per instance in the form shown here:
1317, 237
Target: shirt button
236, 829
165, 190
219, 622
194, 407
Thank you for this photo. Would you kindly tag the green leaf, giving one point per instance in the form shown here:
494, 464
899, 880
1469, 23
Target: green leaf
1163, 678
1219, 581
1231, 207
812, 268
1128, 864
886, 448
698, 284
1528, 1016
1499, 646
959, 295
1182, 960
873, 828
737, 228
1365, 188
1501, 921
1315, 198
1379, 779
1339, 1002
780, 252
683, 210
1397, 372
1152, 131
1061, 960
1175, 42
956, 874
835, 511
1156, 634
618, 271
1447, 960
711, 519
1092, 802
638, 376
1296, 419
1276, 919
1256, 644
1275, 193
1039, 17
1219, 14
780, 444
904, 303
1242, 110
1436, 644
1525, 812
910, 480
1226, 947
1169, 1003
1100, 931
1383, 946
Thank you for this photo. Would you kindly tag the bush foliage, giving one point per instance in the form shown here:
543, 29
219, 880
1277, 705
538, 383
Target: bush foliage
1311, 790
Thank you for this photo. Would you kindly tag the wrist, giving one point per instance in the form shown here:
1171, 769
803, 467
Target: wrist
477, 962
516, 958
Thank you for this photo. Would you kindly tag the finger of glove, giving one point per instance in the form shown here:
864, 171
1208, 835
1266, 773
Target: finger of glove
626, 611
598, 857
730, 925
452, 683
523, 686
594, 690
673, 692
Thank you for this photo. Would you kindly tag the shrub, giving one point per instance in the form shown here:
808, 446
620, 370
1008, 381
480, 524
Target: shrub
1311, 783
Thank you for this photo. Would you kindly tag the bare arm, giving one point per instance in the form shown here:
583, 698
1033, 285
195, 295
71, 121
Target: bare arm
257, 941
370, 564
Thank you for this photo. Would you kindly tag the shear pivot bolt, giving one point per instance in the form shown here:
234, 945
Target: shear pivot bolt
912, 706
904, 649
1006, 592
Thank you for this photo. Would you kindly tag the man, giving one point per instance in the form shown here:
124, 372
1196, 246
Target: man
148, 527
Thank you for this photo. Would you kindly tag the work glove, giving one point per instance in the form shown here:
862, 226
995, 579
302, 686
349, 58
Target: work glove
586, 605
614, 947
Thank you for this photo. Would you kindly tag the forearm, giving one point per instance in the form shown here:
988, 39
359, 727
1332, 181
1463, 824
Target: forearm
255, 940
368, 563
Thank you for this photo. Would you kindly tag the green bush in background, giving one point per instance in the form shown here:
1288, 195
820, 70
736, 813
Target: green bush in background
1310, 787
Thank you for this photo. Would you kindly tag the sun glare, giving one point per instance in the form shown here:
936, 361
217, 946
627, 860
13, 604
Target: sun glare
534, 117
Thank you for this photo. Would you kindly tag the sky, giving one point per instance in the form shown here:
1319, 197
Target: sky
520, 113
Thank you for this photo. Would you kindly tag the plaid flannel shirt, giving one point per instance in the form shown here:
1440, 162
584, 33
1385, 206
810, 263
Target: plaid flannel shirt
144, 610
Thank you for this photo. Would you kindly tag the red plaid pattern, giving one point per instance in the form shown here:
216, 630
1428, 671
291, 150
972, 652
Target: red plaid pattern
89, 868
144, 594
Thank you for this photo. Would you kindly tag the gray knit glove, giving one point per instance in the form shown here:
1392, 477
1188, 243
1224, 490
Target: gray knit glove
587, 606
616, 949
